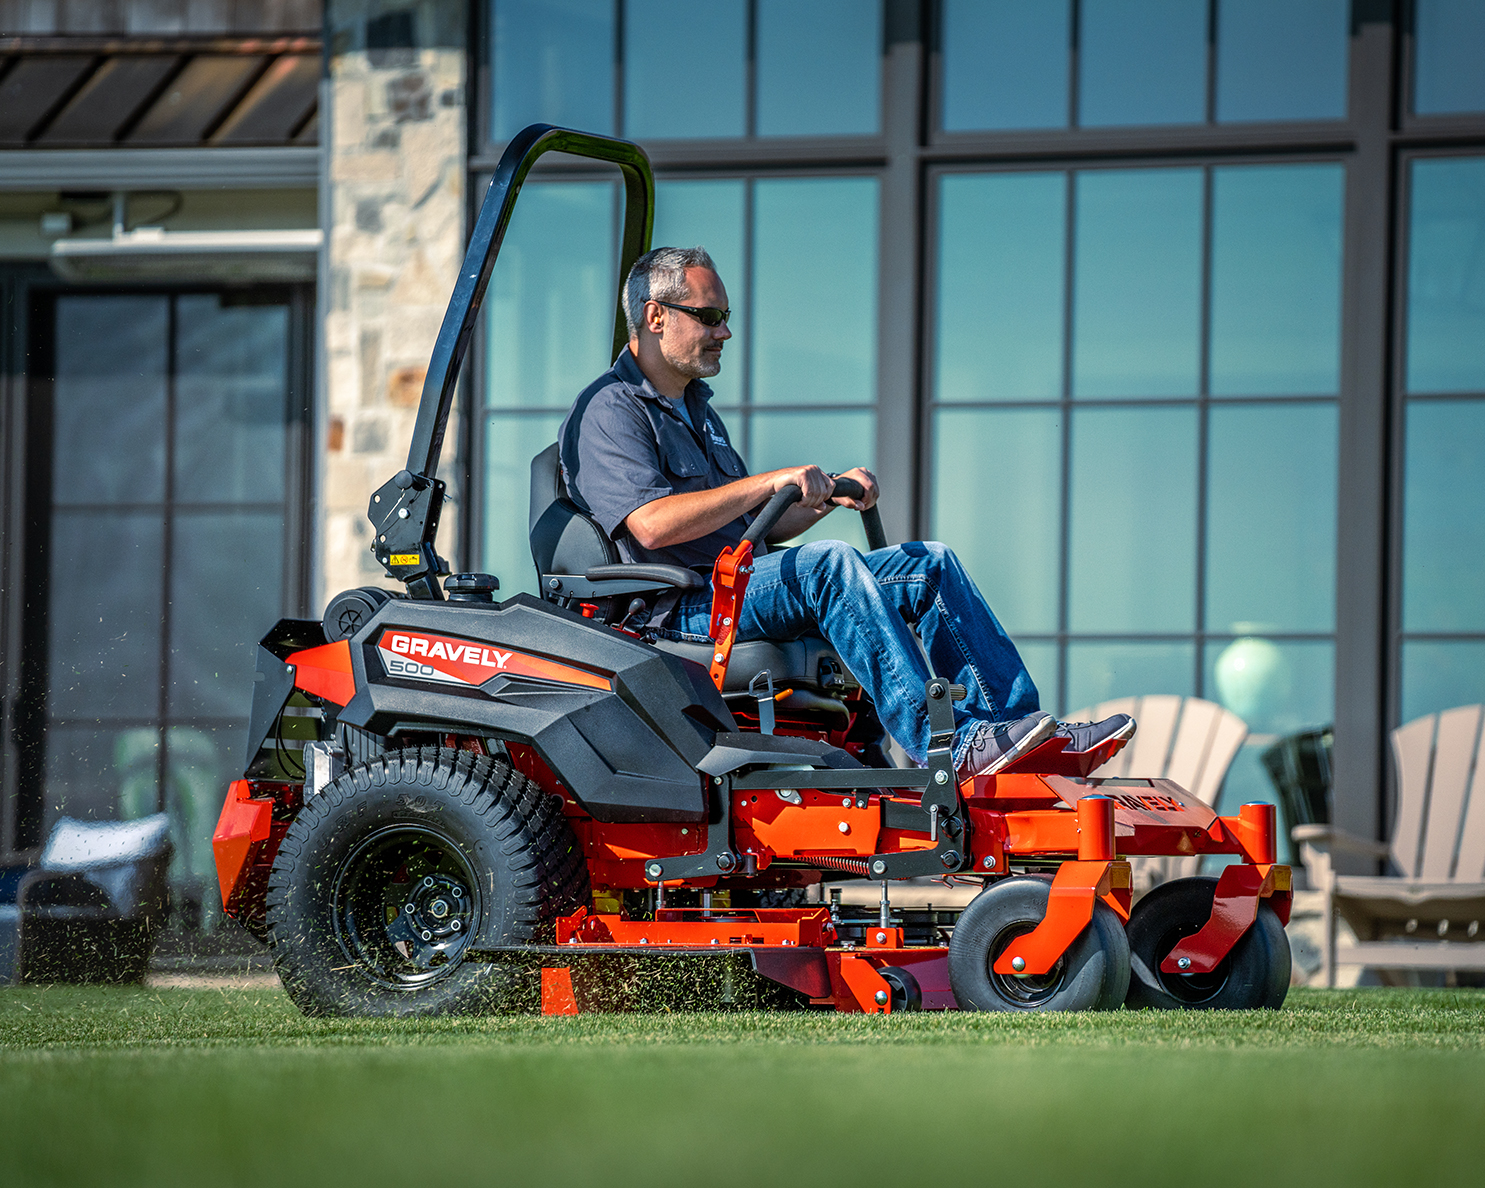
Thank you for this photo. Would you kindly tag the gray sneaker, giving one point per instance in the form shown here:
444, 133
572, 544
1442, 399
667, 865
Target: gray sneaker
997, 744
1084, 736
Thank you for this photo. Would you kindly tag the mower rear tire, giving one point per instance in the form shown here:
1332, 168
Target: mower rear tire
1093, 974
1255, 975
402, 865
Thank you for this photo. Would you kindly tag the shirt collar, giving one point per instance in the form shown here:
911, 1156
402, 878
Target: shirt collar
627, 368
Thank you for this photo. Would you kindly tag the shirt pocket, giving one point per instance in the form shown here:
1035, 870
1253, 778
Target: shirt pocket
681, 458
726, 460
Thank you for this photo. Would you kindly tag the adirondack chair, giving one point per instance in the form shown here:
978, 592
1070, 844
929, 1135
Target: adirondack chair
1184, 739
1426, 913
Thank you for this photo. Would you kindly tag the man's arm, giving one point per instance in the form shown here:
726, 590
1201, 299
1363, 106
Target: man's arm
800, 518
676, 519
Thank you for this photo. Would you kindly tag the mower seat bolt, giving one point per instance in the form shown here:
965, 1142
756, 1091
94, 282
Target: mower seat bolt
1018, 963
940, 777
1183, 962
881, 997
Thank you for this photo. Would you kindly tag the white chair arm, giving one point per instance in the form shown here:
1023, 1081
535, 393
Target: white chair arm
1328, 838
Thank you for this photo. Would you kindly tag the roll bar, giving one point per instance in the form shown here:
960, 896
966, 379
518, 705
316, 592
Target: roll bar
404, 512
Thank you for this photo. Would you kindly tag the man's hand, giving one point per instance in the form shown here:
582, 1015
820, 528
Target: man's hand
868, 481
813, 483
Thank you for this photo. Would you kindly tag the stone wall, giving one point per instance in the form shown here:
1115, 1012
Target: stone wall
393, 206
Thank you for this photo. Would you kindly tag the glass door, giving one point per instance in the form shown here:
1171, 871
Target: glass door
165, 463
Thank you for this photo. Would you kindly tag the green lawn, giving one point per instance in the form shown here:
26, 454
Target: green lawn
221, 1088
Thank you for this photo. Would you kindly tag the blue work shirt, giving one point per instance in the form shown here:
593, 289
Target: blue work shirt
625, 445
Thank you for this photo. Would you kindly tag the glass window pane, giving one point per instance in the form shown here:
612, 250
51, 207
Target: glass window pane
1275, 687
1005, 63
658, 34
1449, 40
231, 400
199, 764
103, 623
1248, 782
1000, 287
552, 299
510, 444
819, 67
1444, 516
226, 590
710, 213
1040, 658
102, 774
1137, 296
1282, 59
815, 291
1271, 518
1439, 675
553, 64
1132, 565
1012, 552
1099, 672
1142, 62
1276, 280
1446, 276
108, 420
833, 441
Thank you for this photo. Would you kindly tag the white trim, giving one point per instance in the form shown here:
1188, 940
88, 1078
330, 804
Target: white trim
176, 169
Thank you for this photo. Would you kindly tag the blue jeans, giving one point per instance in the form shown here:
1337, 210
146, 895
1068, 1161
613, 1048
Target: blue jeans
859, 603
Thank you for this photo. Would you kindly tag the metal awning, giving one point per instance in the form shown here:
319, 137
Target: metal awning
68, 93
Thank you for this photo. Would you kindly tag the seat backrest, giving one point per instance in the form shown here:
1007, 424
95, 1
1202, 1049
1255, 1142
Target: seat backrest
564, 538
1185, 739
1439, 834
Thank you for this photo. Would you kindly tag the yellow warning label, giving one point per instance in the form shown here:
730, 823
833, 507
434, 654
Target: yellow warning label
404, 559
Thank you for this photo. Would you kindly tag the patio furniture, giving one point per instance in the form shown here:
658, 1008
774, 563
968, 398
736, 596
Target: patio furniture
1299, 767
1425, 913
1186, 739
90, 909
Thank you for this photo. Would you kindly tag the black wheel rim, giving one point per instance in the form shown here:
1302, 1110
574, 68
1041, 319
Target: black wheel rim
406, 904
1022, 990
1190, 989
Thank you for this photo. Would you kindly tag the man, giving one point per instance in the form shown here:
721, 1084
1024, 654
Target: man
645, 455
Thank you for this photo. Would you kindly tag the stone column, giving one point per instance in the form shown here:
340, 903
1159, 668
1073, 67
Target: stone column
392, 204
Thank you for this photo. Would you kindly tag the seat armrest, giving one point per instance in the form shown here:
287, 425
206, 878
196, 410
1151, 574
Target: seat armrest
664, 575
1330, 838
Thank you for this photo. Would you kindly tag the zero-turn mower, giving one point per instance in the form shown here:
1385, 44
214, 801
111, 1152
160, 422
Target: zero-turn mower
458, 804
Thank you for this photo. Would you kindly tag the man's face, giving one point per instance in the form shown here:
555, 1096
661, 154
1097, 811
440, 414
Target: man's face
692, 349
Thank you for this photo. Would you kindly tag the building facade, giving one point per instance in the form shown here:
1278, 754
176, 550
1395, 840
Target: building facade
1168, 315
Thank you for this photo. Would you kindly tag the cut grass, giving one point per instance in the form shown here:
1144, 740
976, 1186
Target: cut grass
164, 1086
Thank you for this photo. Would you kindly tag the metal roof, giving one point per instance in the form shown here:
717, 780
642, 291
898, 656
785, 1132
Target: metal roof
78, 92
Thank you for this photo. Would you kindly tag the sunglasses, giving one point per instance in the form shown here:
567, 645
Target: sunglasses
707, 315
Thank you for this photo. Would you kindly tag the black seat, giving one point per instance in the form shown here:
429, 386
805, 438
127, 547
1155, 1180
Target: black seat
577, 561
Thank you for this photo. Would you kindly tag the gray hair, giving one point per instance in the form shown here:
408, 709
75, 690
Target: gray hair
660, 275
